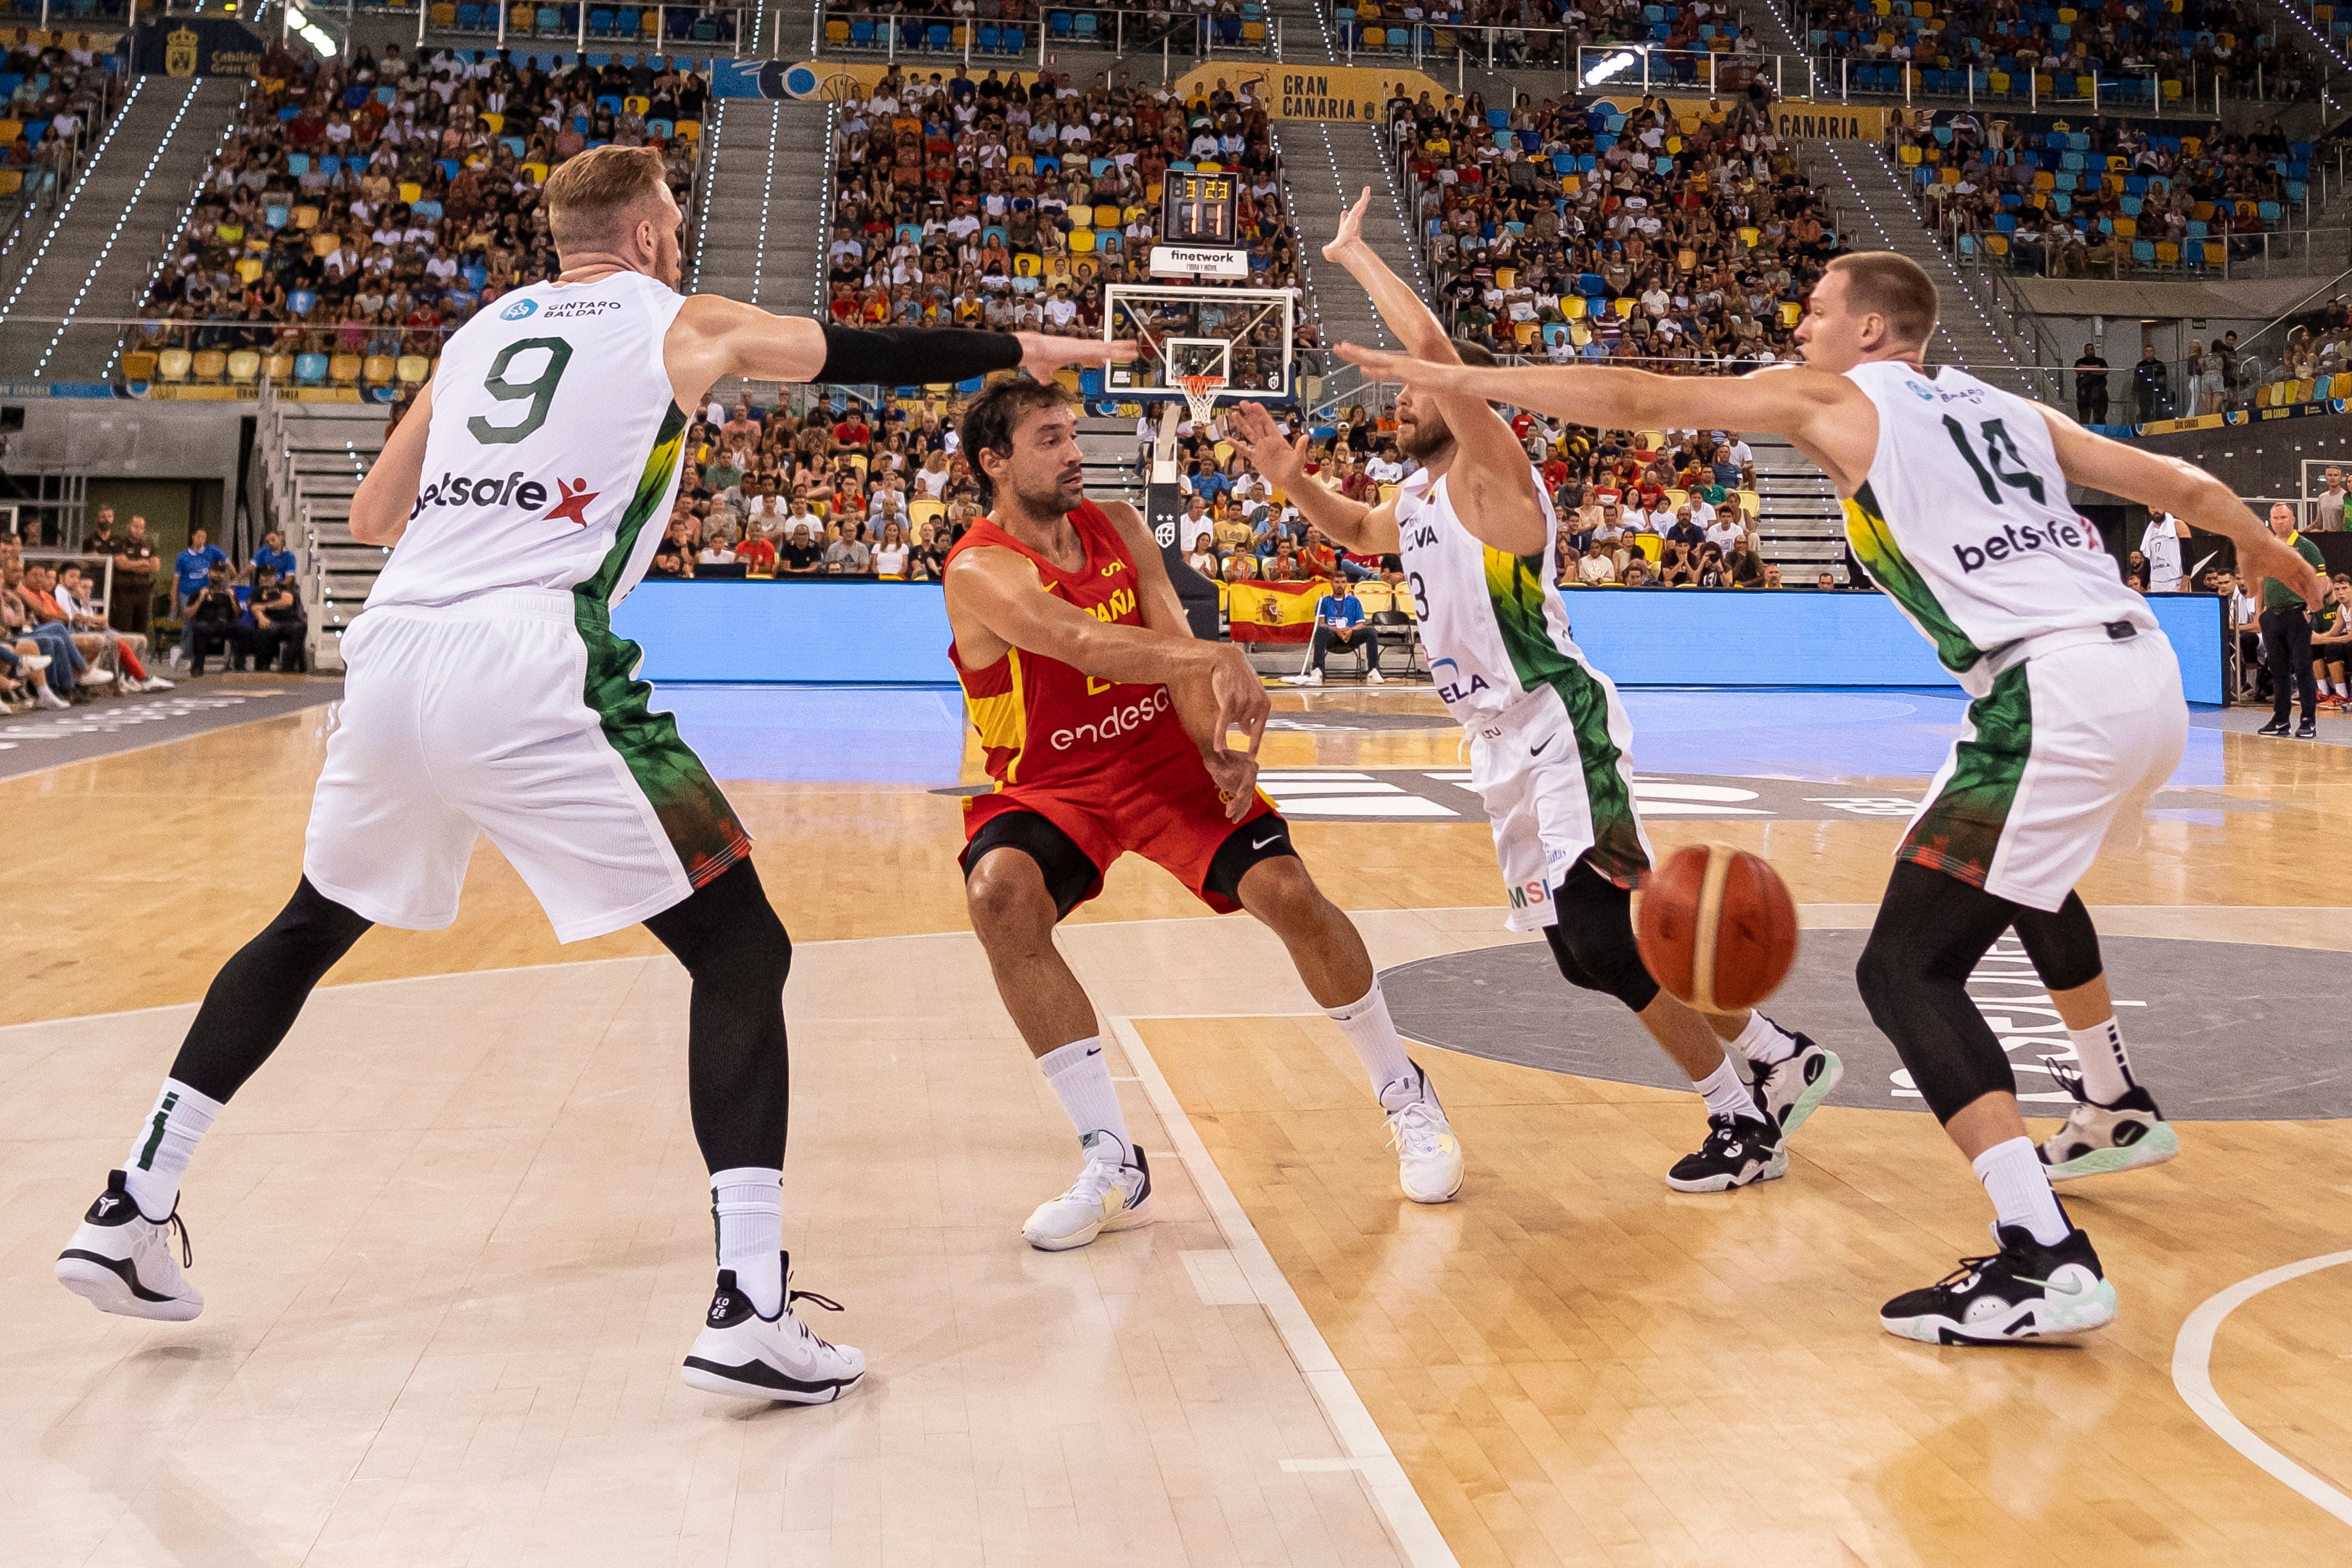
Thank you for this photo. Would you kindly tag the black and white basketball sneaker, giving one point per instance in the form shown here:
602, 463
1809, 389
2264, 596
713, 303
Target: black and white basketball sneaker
1792, 1089
2098, 1139
2024, 1291
746, 1356
1738, 1150
1113, 1193
123, 1262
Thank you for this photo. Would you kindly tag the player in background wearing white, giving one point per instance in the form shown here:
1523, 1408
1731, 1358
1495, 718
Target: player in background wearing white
524, 496
2159, 546
1956, 503
1549, 743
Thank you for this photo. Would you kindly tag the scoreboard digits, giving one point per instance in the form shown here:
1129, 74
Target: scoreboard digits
1200, 209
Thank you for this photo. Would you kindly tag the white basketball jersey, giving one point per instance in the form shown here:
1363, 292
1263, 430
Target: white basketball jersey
554, 450
2162, 548
1492, 623
1964, 521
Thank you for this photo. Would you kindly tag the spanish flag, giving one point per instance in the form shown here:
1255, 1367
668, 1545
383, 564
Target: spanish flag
1271, 611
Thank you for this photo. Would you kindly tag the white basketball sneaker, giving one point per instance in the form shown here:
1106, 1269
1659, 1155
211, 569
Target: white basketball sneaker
2096, 1140
746, 1356
1429, 1157
123, 1262
1113, 1193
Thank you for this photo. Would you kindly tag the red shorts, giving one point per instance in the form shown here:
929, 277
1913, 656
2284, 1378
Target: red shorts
1174, 817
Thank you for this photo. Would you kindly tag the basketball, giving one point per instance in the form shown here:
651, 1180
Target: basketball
1716, 927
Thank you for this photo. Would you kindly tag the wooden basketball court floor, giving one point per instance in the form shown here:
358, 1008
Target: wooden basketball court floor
454, 1240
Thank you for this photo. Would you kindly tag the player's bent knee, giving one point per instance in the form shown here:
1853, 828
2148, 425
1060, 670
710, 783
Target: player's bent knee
1280, 889
1593, 941
1007, 897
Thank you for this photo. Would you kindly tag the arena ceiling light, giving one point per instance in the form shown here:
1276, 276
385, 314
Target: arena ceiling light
317, 37
1615, 65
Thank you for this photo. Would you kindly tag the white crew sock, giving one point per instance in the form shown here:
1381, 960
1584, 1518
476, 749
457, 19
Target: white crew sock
1366, 1023
1764, 1042
746, 1204
160, 1153
1724, 1094
1082, 1080
2020, 1189
2106, 1071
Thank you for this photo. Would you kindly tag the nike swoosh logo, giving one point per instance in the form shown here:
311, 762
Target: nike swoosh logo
1262, 843
1538, 751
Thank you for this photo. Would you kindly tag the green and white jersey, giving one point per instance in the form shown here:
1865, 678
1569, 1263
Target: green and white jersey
1963, 519
1493, 623
554, 452
1497, 638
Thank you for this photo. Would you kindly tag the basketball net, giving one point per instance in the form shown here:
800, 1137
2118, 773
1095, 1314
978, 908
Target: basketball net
1200, 396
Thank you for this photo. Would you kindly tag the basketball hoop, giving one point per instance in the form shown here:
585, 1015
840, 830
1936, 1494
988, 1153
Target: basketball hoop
1200, 396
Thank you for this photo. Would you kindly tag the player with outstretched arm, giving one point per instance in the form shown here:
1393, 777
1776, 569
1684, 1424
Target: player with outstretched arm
1956, 504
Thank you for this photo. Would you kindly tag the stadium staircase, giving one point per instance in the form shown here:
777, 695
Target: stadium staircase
1800, 523
104, 244
313, 455
765, 182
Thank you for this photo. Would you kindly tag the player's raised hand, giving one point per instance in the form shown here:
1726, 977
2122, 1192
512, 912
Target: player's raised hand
1421, 374
1352, 230
1254, 430
1043, 355
1242, 704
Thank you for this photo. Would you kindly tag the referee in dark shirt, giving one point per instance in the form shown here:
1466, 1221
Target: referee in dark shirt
2286, 635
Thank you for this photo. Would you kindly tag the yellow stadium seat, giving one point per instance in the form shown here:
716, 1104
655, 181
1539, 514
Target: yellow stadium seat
1908, 155
414, 370
248, 269
10, 130
1082, 240
689, 128
535, 173
444, 14
1105, 215
279, 366
1995, 244
1026, 265
2127, 228
1505, 277
306, 218
1573, 307
1623, 307
1082, 216
492, 121
410, 191
174, 364
245, 367
343, 370
379, 370
836, 32
138, 365
2167, 254
211, 365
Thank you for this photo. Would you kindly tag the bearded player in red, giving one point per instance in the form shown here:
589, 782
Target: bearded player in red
1104, 723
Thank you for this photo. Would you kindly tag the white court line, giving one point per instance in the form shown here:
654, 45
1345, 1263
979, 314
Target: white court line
1364, 1448
2192, 1356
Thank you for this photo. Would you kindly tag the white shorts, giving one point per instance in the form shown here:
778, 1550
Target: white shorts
1556, 773
2066, 745
515, 714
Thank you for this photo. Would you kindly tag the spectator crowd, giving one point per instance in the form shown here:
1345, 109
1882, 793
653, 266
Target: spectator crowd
365, 208
72, 629
2099, 201
1570, 230
988, 203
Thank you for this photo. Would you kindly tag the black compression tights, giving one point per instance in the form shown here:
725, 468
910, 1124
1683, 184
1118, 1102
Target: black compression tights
1932, 930
738, 1076
726, 935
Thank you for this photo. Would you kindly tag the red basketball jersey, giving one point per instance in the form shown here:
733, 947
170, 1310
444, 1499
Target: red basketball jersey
1045, 726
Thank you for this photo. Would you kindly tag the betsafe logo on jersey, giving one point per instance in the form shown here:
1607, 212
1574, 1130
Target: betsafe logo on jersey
2013, 541
452, 489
